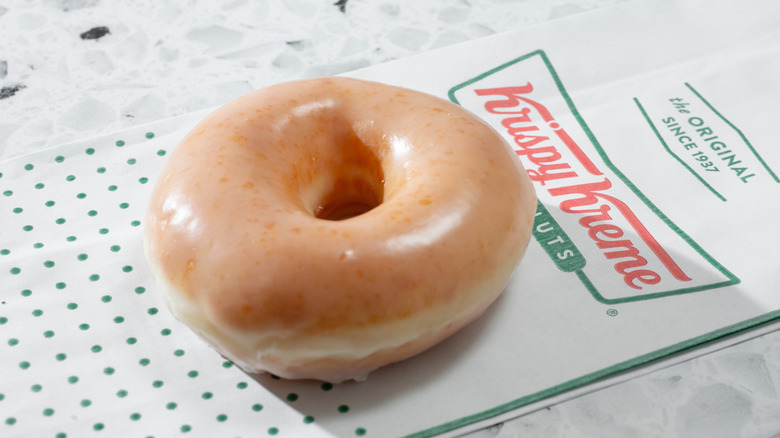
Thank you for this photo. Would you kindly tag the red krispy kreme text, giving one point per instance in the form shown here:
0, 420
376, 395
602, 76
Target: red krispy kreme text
525, 119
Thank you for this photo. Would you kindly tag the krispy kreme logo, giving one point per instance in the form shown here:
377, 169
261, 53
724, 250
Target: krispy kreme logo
579, 187
591, 219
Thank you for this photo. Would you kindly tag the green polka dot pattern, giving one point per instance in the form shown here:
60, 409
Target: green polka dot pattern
86, 338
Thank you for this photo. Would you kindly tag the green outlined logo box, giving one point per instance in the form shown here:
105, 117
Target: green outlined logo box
593, 222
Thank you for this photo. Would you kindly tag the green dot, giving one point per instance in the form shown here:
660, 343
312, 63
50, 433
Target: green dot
36, 388
82, 257
273, 431
221, 418
70, 178
139, 290
13, 341
135, 416
39, 186
48, 264
131, 341
131, 161
8, 193
144, 362
37, 312
86, 402
49, 203
135, 223
60, 221
61, 435
108, 371
343, 409
127, 268
308, 419
96, 348
24, 364
81, 195
165, 332
291, 397
73, 379
157, 383
101, 170
61, 356
192, 374
106, 298
38, 245
28, 166
73, 306
16, 270
150, 135
98, 426
360, 431
71, 238
121, 393
48, 412
92, 213
171, 406
5, 251
26, 292
242, 385
48, 334
103, 231
18, 210
257, 407
227, 364
112, 188
84, 326
120, 143
94, 277
178, 353
27, 228
10, 421
119, 319
207, 395
152, 311
124, 205
161, 152
143, 180
115, 248
3, 320
186, 428
90, 151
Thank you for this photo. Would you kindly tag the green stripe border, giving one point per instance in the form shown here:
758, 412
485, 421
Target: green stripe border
644, 359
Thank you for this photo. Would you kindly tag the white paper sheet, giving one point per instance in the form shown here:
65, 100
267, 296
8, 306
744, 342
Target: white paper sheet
642, 250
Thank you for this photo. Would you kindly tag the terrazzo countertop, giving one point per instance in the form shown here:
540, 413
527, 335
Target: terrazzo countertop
72, 69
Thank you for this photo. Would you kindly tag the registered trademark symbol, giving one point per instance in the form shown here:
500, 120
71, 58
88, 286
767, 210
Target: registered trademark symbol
612, 312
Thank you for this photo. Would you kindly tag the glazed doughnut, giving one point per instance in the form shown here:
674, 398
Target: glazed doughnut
324, 228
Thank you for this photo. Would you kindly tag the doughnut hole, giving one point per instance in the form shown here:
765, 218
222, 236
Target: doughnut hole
355, 182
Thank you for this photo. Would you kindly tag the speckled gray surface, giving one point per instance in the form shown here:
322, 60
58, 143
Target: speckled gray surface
71, 69
729, 393
160, 59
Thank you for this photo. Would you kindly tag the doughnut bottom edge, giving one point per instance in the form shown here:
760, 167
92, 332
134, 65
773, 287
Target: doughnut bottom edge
350, 356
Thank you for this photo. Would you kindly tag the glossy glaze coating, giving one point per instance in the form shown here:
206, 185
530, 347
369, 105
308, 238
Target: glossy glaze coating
324, 228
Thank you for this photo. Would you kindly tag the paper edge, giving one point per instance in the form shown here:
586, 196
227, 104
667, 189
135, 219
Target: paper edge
663, 358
